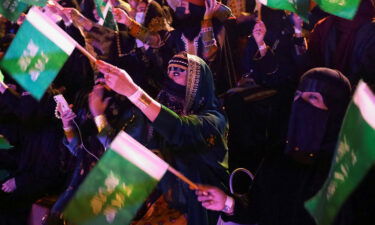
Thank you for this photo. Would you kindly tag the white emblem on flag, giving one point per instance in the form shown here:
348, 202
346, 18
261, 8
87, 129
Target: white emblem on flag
10, 5
25, 60
108, 200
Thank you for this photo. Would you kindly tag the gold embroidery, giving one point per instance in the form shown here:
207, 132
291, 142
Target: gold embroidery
194, 72
157, 24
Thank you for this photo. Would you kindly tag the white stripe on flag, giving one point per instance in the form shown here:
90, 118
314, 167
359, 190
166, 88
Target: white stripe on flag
51, 30
365, 101
264, 2
139, 155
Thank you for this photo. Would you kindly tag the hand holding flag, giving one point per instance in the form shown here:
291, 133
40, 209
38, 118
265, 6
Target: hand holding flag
354, 156
38, 52
118, 185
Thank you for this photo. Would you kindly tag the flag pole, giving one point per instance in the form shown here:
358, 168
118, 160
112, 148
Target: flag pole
183, 178
86, 53
79, 47
258, 8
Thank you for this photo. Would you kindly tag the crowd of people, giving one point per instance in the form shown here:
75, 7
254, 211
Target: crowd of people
207, 86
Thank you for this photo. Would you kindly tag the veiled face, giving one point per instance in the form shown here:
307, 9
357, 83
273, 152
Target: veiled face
313, 98
178, 75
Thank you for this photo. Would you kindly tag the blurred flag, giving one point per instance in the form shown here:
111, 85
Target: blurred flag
354, 157
35, 2
301, 7
342, 8
1, 77
117, 186
12, 9
4, 144
37, 53
105, 13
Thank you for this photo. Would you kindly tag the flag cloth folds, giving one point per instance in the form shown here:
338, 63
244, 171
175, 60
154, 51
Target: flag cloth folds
12, 9
37, 53
301, 7
117, 186
35, 2
342, 8
105, 13
1, 77
4, 144
354, 157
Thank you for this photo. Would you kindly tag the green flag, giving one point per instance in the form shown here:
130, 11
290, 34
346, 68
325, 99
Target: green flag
35, 2
37, 53
342, 8
354, 157
12, 9
1, 77
117, 186
105, 13
4, 144
301, 7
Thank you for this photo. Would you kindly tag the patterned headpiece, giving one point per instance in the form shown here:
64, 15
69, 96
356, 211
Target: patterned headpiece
179, 60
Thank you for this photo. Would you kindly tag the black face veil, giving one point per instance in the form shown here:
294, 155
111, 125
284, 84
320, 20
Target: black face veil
311, 130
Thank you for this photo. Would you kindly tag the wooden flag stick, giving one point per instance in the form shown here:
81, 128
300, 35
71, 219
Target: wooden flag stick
183, 178
258, 8
86, 53
79, 47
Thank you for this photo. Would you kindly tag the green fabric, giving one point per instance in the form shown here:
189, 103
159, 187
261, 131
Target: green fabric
301, 7
111, 194
4, 144
354, 157
12, 9
100, 4
1, 77
35, 2
109, 20
342, 8
33, 60
194, 144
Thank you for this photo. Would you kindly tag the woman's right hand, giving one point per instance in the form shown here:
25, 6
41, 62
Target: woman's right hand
121, 17
259, 31
78, 19
117, 79
211, 197
67, 116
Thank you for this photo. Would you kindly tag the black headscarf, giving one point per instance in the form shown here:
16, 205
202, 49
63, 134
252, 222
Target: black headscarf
313, 131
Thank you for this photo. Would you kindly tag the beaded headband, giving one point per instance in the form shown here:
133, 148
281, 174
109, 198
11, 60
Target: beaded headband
179, 60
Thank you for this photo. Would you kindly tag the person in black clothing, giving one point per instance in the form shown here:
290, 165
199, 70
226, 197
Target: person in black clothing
288, 178
37, 139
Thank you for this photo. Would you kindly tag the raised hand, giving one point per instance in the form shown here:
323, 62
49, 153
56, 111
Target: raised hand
297, 21
259, 31
67, 116
78, 19
121, 16
97, 104
117, 79
211, 7
9, 185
